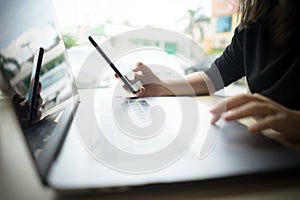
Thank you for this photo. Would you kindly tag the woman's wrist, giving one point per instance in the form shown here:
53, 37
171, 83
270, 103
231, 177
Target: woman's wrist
166, 88
177, 88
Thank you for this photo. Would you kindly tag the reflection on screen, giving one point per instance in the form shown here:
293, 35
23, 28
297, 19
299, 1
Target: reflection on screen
26, 26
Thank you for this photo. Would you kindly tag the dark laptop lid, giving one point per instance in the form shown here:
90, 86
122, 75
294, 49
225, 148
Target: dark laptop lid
25, 27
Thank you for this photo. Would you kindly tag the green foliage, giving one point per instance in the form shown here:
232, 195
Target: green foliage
215, 51
69, 41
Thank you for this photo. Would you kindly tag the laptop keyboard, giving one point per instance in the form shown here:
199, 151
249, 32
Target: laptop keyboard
138, 111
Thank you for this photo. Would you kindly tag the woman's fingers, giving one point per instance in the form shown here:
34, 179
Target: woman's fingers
148, 79
17, 98
215, 118
142, 92
38, 116
250, 109
264, 123
39, 87
141, 67
231, 103
25, 105
270, 114
39, 101
139, 76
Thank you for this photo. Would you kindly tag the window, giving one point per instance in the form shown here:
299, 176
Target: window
224, 24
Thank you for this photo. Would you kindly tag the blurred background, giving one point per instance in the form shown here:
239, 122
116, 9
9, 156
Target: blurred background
205, 28
210, 23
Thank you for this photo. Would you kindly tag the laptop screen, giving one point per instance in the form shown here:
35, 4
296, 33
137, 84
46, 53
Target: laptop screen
25, 27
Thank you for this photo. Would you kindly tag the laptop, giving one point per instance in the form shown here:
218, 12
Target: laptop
100, 139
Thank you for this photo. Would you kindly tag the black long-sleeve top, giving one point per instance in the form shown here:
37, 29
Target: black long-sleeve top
271, 70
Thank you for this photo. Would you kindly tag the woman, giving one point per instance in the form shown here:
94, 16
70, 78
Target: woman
264, 48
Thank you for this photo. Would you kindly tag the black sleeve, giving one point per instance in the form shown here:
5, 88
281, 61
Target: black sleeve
230, 65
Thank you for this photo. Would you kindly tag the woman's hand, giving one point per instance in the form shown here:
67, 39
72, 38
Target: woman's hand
22, 108
268, 114
152, 85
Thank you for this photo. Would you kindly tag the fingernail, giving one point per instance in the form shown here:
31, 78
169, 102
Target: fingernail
213, 119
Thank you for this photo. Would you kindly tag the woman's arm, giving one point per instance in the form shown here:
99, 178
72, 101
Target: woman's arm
197, 83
